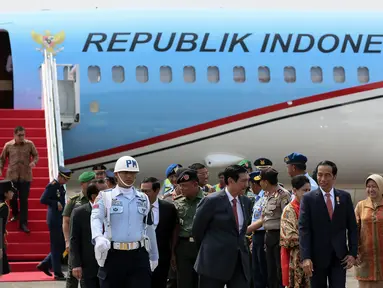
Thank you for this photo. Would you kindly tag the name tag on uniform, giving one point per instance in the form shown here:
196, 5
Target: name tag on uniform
117, 207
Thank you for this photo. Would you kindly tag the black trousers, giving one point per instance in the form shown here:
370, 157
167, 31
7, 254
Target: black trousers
126, 269
259, 263
273, 259
53, 259
22, 194
93, 282
160, 274
238, 279
335, 274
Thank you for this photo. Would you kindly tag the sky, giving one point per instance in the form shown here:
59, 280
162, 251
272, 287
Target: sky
27, 5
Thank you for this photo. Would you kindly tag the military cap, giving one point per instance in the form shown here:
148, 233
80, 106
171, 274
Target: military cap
109, 174
172, 169
86, 176
65, 172
263, 163
245, 163
295, 158
255, 176
6, 185
187, 175
99, 167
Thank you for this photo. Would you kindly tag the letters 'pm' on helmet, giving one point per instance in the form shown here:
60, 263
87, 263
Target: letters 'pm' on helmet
127, 164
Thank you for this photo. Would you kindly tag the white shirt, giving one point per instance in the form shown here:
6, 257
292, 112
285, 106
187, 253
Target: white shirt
332, 197
156, 213
239, 209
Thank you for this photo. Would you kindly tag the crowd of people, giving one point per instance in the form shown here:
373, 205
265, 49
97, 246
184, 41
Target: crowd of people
245, 231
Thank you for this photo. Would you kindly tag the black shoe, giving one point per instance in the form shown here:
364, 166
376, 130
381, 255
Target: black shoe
43, 268
60, 277
24, 228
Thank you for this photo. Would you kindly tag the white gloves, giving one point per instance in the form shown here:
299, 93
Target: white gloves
153, 265
101, 250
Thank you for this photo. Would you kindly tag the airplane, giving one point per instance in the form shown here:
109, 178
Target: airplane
211, 86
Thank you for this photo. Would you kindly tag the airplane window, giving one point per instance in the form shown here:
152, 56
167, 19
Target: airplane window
263, 74
290, 74
239, 74
94, 74
189, 74
142, 74
213, 74
339, 74
166, 74
316, 74
118, 74
363, 75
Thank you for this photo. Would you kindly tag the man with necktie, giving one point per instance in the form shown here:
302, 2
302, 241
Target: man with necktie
219, 229
328, 234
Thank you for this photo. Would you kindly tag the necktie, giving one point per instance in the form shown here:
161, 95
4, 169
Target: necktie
235, 211
329, 205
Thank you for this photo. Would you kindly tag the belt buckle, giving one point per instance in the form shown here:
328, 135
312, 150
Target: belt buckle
124, 246
191, 239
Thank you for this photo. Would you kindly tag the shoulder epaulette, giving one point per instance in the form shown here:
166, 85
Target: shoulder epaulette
53, 182
2, 204
178, 197
107, 190
74, 197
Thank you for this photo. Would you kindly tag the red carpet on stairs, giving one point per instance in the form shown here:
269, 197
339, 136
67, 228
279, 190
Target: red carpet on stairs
25, 251
25, 277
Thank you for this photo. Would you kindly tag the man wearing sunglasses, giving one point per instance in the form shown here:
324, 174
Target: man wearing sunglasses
19, 153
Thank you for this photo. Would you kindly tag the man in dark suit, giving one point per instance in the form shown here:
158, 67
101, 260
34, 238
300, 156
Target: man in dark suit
164, 216
326, 222
219, 229
81, 249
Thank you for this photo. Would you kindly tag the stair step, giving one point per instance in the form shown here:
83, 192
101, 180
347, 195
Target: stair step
43, 151
12, 114
33, 237
30, 132
38, 141
34, 203
27, 257
33, 225
22, 248
27, 123
40, 182
23, 266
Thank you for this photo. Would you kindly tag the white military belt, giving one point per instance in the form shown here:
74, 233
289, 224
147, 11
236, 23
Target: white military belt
128, 246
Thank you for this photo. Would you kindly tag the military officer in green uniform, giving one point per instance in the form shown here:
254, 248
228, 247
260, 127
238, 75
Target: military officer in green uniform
74, 202
185, 252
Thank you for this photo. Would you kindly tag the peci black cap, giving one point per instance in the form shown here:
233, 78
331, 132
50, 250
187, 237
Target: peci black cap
6, 185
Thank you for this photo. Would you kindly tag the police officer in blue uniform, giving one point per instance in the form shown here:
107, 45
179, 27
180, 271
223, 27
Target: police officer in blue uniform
127, 251
54, 198
259, 265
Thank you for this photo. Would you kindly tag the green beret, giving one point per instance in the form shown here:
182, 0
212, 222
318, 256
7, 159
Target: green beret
245, 163
86, 176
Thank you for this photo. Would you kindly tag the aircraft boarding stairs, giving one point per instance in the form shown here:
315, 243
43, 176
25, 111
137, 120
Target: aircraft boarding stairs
61, 104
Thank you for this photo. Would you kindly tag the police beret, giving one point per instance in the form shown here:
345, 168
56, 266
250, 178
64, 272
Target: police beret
65, 172
109, 174
98, 167
255, 176
245, 163
6, 185
187, 175
263, 162
86, 176
295, 158
172, 169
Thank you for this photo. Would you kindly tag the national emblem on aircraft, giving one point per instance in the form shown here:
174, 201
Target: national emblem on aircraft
49, 42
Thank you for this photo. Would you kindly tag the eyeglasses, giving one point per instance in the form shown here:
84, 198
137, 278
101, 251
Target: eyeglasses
20, 135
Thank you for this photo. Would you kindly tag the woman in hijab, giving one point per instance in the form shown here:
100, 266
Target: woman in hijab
292, 272
369, 216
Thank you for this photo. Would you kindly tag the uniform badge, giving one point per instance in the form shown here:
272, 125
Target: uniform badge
186, 177
262, 162
58, 193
